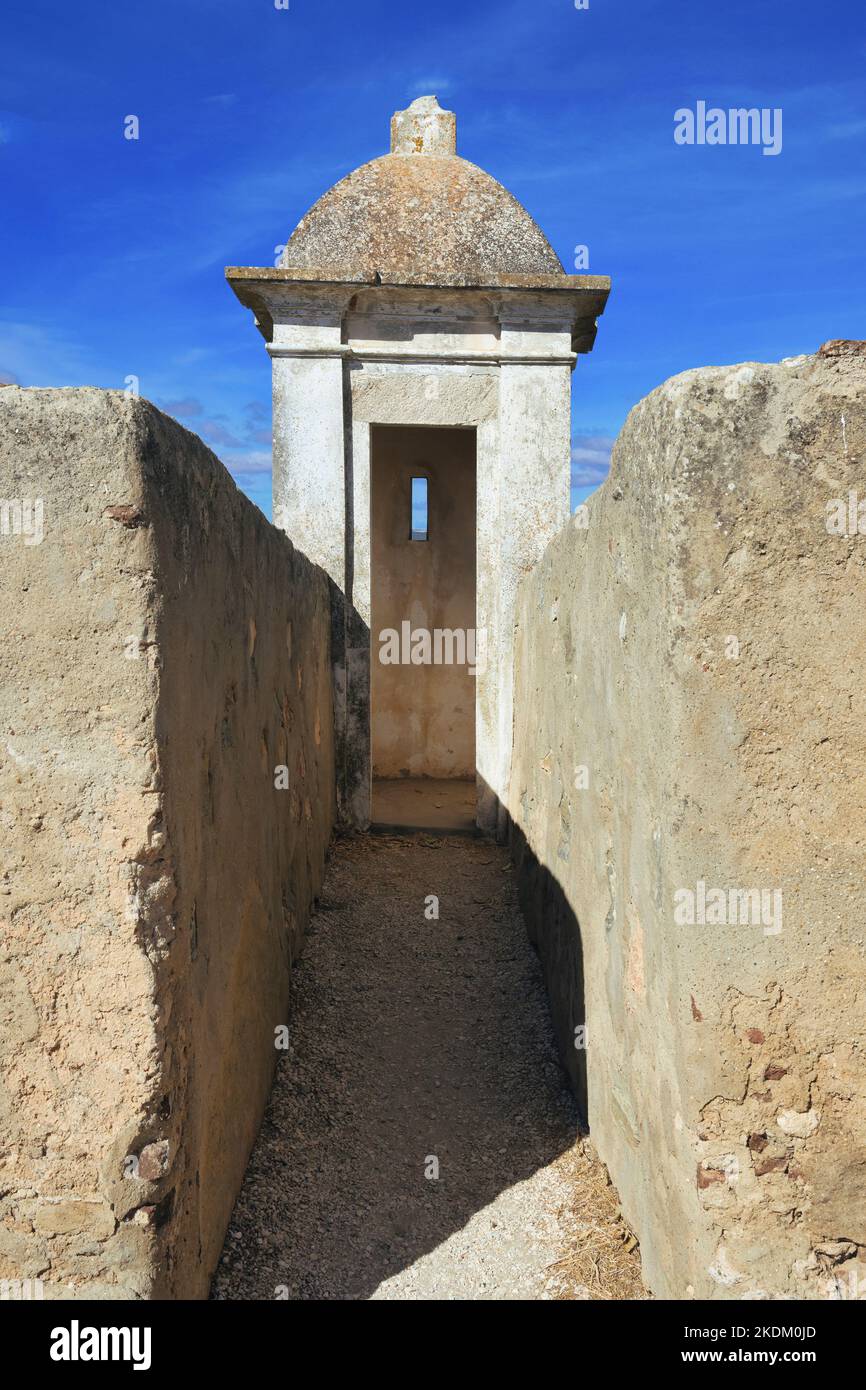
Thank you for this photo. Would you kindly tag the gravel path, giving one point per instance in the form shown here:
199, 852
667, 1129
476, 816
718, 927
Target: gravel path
421, 1046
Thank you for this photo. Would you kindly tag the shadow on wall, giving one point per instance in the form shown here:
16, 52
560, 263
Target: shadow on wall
409, 1039
554, 931
350, 657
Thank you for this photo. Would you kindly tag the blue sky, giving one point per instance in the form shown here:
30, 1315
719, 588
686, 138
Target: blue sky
113, 250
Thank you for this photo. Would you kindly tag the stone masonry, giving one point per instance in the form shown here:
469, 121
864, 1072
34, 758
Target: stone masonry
690, 716
166, 650
687, 811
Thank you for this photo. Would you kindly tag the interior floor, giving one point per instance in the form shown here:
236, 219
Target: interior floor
424, 803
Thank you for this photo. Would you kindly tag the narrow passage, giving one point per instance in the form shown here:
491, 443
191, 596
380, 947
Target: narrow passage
421, 1141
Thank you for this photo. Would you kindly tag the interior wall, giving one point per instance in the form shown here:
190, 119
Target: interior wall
423, 715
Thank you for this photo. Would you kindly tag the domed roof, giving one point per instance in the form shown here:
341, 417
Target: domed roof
421, 208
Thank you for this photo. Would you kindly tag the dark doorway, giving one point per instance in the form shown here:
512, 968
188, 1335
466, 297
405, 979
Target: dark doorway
424, 648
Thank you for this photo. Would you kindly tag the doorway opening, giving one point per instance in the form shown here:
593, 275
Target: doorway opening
425, 650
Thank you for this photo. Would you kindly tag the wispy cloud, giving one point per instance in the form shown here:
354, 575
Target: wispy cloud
847, 130
429, 86
253, 462
590, 459
47, 354
215, 433
185, 409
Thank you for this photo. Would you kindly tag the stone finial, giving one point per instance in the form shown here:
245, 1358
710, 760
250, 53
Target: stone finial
424, 129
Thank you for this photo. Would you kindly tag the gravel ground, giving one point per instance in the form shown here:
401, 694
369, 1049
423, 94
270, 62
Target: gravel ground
417, 1043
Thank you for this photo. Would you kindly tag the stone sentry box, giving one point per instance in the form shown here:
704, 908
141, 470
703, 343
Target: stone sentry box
418, 291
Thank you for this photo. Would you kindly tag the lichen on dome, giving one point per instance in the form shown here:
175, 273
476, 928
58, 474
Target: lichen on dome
421, 208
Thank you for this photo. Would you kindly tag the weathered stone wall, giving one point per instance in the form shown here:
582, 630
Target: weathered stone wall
699, 650
165, 650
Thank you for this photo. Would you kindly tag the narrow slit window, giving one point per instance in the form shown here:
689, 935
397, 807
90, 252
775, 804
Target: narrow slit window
418, 529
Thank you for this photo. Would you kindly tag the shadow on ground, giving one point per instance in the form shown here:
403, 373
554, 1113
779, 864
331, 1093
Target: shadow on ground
412, 1039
